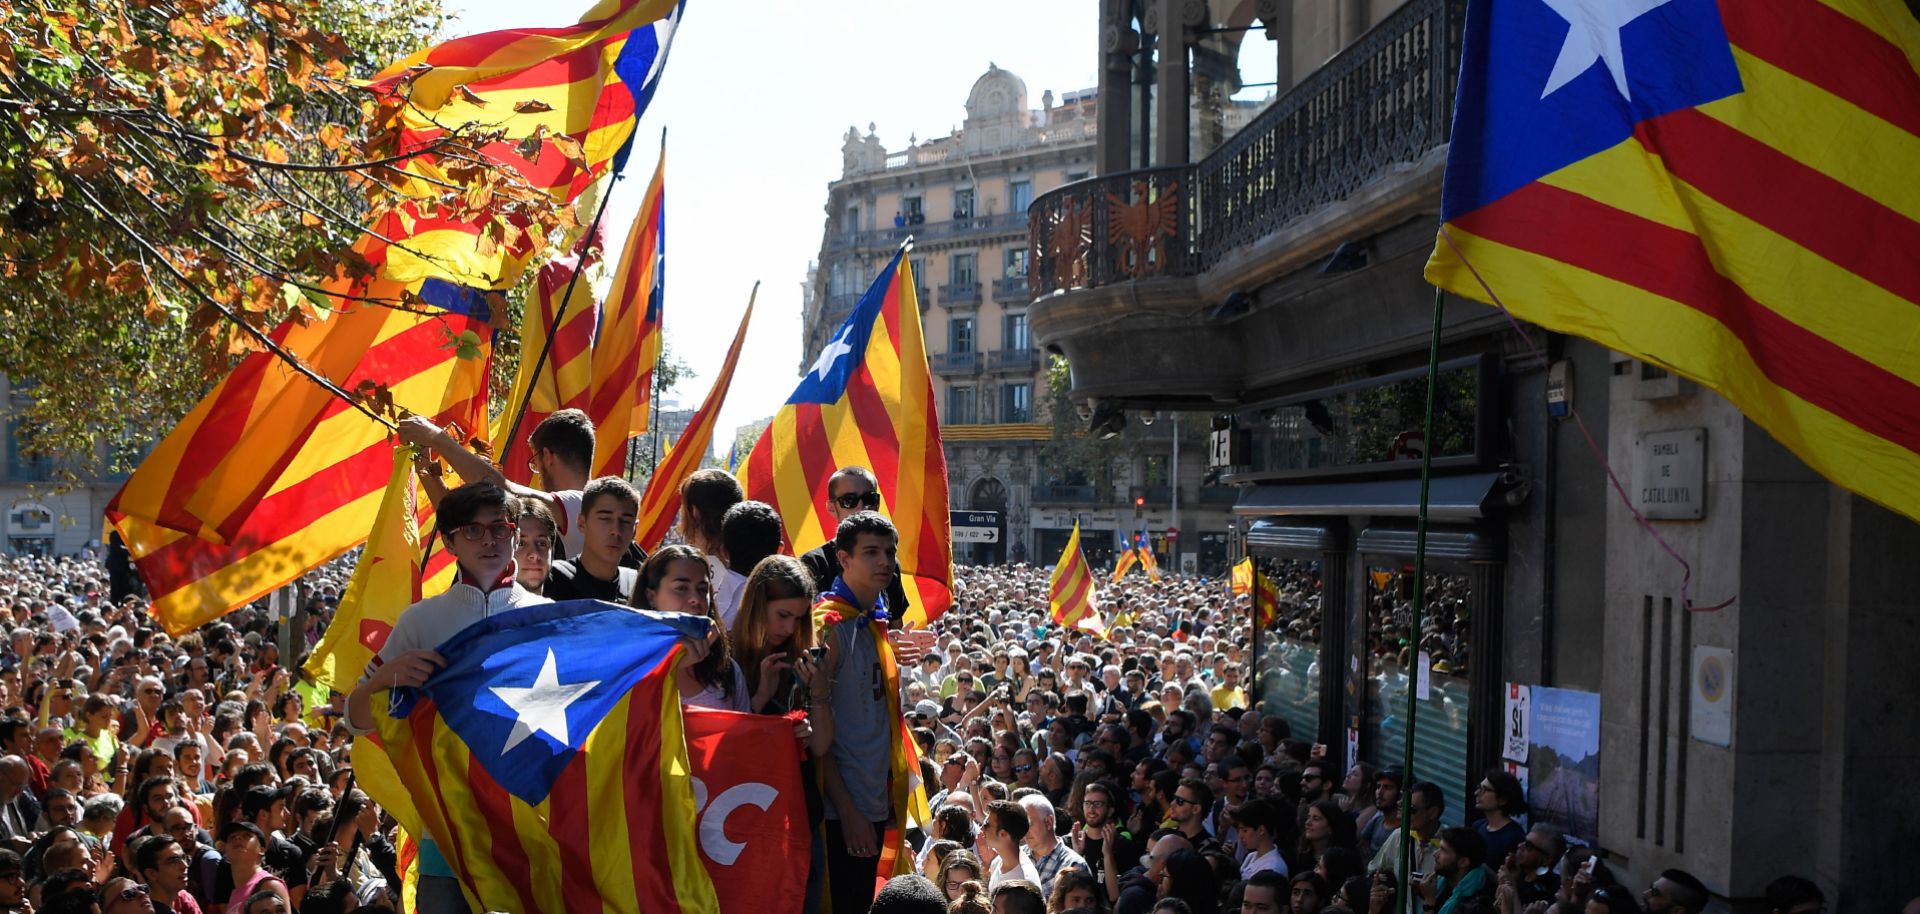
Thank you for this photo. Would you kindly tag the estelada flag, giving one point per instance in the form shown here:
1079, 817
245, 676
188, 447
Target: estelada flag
386, 580
867, 401
548, 762
1070, 595
754, 835
1724, 189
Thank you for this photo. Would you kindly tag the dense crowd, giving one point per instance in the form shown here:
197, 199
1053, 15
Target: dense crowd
1125, 771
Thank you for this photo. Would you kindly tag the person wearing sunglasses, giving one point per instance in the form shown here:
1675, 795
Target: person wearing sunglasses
476, 527
1527, 875
851, 490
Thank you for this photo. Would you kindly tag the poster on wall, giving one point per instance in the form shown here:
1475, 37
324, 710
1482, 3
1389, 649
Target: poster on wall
1563, 760
1514, 746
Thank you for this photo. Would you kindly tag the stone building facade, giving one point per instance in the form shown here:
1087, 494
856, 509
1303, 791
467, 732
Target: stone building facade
1273, 275
963, 198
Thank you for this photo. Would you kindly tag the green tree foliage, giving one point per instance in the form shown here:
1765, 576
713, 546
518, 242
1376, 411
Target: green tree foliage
179, 176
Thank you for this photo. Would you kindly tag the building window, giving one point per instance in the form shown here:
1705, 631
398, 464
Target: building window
963, 203
1073, 176
853, 219
1013, 332
1154, 471
1015, 262
21, 468
963, 269
960, 406
913, 211
919, 265
1016, 403
960, 334
1021, 193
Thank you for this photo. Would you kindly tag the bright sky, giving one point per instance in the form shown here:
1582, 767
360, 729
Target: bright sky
756, 99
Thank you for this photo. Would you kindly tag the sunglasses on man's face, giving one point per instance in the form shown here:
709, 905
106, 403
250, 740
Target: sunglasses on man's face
869, 501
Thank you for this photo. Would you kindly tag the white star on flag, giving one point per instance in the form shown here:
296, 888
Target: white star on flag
543, 707
828, 356
1593, 34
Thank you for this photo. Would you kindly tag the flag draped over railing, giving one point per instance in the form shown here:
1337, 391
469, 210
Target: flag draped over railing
1725, 190
661, 501
867, 401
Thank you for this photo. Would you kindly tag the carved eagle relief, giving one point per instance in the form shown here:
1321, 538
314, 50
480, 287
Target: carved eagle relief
1067, 240
1139, 230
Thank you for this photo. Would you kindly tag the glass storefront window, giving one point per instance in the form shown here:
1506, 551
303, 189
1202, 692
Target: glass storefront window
1290, 662
1440, 737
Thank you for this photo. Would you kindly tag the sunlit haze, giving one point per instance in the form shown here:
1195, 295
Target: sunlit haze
756, 99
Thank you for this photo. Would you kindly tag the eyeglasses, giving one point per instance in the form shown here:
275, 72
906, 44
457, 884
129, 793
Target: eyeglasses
474, 533
1023, 768
1095, 804
1484, 788
868, 500
132, 892
1182, 801
1538, 849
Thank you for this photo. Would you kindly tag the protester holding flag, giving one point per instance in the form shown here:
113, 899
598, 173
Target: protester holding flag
476, 528
863, 773
562, 446
676, 579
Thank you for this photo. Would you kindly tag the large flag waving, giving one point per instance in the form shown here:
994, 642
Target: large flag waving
387, 579
1070, 596
661, 501
547, 761
1723, 189
754, 835
868, 401
629, 341
578, 89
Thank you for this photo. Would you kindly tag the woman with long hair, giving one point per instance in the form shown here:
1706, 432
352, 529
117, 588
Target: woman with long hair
1326, 825
1188, 877
677, 579
774, 631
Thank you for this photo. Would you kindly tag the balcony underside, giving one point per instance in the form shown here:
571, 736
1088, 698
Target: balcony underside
1155, 343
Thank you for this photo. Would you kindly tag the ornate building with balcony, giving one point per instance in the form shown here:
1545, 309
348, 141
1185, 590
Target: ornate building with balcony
1270, 272
963, 200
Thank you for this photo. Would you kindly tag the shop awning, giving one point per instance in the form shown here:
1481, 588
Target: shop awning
1451, 498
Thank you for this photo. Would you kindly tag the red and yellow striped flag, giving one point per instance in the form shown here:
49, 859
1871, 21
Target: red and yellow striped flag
565, 381
867, 401
270, 475
580, 88
661, 501
1128, 558
1070, 593
629, 340
1266, 597
387, 579
1241, 577
1728, 192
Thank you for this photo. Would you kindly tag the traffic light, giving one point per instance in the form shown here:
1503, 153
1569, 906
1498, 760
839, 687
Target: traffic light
1139, 506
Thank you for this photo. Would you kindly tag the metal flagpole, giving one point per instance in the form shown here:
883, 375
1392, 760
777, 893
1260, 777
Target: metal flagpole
1419, 598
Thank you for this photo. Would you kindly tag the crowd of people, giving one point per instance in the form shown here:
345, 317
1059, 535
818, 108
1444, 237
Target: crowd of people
1068, 772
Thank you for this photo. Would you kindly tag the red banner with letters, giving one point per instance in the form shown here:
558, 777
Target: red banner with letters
754, 836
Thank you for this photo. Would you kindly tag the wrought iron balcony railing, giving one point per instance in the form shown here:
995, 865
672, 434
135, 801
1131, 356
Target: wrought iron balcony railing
1066, 495
1385, 100
1011, 289
891, 236
1013, 360
960, 294
955, 362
